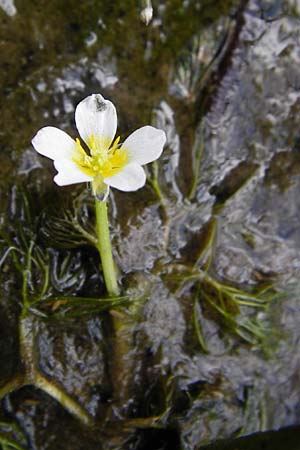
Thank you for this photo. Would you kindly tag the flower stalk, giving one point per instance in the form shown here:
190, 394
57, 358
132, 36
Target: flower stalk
123, 328
104, 248
103, 161
106, 163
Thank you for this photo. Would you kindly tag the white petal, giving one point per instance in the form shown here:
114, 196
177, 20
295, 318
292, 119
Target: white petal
96, 117
145, 144
69, 173
53, 143
131, 178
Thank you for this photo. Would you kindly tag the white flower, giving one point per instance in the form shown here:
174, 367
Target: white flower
107, 163
147, 12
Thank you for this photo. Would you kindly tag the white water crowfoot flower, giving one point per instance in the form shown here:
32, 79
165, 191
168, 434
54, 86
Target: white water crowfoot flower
147, 12
105, 162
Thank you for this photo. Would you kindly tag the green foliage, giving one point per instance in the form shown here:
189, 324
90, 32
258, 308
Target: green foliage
229, 305
68, 307
70, 226
20, 245
39, 268
11, 437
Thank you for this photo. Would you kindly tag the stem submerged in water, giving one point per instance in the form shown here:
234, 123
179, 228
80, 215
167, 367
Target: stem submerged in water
104, 248
121, 364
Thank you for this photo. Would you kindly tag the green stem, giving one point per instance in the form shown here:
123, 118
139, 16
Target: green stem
62, 397
121, 359
104, 248
33, 376
12, 385
26, 274
197, 163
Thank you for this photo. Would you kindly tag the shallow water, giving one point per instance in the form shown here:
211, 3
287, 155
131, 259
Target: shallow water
208, 251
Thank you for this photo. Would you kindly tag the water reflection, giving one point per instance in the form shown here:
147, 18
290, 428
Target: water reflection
217, 223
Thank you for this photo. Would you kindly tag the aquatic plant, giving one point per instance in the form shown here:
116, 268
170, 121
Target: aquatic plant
12, 437
32, 263
107, 163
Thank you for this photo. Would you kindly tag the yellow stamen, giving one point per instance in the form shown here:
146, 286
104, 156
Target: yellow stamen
102, 161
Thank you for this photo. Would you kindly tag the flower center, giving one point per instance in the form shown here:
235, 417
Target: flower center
102, 161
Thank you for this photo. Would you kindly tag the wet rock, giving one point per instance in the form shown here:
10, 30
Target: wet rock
221, 213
